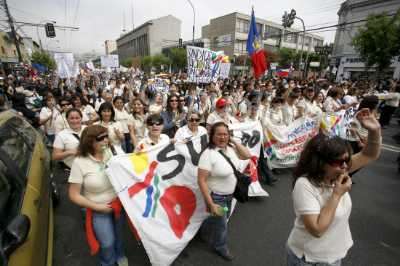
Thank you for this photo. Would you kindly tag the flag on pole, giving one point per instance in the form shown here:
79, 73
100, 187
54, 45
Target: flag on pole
255, 50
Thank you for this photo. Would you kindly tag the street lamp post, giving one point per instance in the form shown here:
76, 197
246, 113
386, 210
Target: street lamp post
37, 30
194, 19
302, 44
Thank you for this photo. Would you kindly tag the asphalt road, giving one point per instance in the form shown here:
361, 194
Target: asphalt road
258, 230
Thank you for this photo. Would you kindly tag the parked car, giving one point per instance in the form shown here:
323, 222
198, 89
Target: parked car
26, 211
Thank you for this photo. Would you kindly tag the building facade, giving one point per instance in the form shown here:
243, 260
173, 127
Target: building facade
229, 33
149, 38
8, 51
344, 57
110, 46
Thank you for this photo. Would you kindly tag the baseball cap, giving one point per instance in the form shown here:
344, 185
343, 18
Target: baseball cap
221, 102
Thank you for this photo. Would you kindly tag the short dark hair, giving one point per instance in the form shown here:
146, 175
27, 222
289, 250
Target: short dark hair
371, 102
88, 137
213, 129
316, 154
73, 110
106, 106
154, 117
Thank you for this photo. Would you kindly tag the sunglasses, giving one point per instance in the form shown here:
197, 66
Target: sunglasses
173, 101
339, 162
194, 120
154, 123
64, 104
101, 137
182, 100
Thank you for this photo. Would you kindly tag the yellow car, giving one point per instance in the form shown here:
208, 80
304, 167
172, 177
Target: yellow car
26, 212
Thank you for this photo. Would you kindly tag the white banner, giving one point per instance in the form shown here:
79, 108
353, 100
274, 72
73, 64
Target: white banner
109, 61
199, 64
65, 65
159, 191
284, 144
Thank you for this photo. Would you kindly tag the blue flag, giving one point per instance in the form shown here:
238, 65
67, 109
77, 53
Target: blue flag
253, 37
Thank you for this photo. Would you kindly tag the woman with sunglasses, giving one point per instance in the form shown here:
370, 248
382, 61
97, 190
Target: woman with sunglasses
191, 130
173, 116
67, 141
61, 121
91, 189
321, 233
115, 130
154, 137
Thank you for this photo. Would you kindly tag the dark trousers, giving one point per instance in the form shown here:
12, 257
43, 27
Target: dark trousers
386, 115
264, 173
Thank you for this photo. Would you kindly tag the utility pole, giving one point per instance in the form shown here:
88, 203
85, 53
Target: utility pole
13, 32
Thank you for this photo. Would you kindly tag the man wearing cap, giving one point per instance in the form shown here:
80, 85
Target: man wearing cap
220, 114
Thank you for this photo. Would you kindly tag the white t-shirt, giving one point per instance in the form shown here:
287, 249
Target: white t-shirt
60, 123
330, 105
88, 113
91, 174
147, 143
289, 112
222, 179
392, 98
214, 118
336, 241
184, 133
65, 140
139, 125
45, 113
122, 117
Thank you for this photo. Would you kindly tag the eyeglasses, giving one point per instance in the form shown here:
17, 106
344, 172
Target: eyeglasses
154, 123
194, 120
339, 162
101, 137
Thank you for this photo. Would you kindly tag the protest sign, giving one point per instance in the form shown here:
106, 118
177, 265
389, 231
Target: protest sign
199, 64
109, 61
65, 65
159, 191
284, 144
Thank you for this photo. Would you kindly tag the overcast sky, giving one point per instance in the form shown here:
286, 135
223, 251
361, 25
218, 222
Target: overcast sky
100, 20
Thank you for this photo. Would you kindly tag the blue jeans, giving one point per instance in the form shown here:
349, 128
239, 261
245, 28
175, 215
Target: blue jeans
108, 232
215, 228
293, 260
126, 144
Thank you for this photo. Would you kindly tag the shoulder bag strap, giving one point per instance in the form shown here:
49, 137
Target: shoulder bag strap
229, 161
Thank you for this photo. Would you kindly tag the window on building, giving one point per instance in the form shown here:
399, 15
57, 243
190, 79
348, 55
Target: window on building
240, 47
259, 28
272, 32
242, 25
290, 37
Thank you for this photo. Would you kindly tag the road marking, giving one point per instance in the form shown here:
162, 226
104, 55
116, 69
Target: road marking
387, 147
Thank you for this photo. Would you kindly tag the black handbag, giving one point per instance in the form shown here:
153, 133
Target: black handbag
241, 192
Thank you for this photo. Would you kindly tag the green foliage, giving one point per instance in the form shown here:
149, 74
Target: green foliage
44, 59
379, 40
146, 63
160, 60
178, 58
287, 57
127, 62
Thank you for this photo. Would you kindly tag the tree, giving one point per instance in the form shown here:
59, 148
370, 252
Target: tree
288, 57
127, 62
146, 63
178, 58
159, 61
44, 59
379, 40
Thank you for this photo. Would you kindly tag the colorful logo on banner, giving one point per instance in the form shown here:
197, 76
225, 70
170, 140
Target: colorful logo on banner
159, 190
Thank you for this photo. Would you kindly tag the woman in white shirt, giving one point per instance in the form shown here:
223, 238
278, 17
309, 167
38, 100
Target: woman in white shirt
157, 106
155, 124
88, 113
274, 113
107, 120
122, 116
392, 100
138, 121
48, 115
217, 183
191, 130
322, 204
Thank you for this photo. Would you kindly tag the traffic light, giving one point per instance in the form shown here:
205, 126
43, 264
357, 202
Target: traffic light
180, 43
285, 19
50, 30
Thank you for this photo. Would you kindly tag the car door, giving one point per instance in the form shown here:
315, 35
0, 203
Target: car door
20, 143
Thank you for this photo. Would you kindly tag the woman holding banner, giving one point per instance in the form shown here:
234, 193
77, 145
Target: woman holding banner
155, 126
191, 130
321, 233
90, 188
217, 183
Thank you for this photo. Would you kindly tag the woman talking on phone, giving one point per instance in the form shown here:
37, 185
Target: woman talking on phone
321, 233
